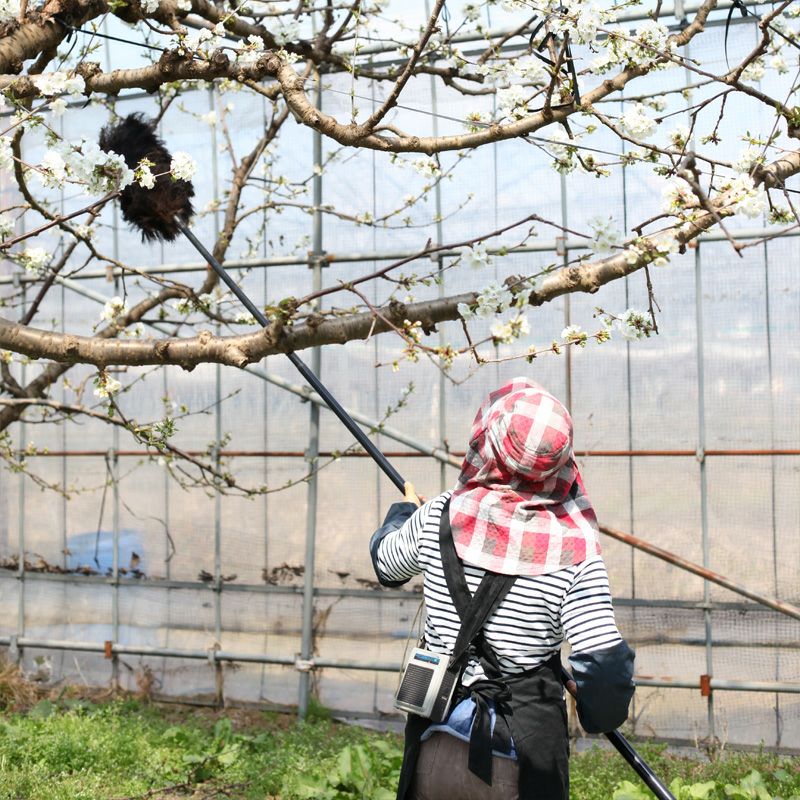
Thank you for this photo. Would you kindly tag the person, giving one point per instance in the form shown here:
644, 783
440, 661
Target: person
519, 509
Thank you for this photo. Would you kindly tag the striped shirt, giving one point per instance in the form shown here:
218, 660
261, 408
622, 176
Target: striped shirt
530, 623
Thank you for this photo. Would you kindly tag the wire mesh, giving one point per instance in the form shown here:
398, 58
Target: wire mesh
198, 575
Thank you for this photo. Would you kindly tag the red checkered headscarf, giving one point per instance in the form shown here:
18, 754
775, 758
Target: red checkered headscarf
519, 507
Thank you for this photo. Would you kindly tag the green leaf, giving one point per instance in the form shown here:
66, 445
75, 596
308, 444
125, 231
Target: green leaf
629, 791
701, 791
345, 764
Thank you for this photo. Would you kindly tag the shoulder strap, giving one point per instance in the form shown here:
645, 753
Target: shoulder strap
475, 609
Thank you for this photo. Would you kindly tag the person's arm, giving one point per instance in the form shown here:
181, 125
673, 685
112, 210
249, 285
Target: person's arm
601, 661
394, 546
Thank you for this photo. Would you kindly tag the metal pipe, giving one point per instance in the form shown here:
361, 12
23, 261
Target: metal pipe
307, 636
329, 663
701, 571
452, 457
382, 594
331, 259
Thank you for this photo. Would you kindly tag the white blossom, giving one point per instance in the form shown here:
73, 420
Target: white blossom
113, 308
6, 226
476, 120
644, 47
663, 248
144, 176
476, 256
637, 123
633, 324
584, 19
98, 171
465, 312
149, 6
182, 166
778, 63
58, 106
243, 318
493, 299
510, 330
426, 166
50, 84
471, 12
183, 5
529, 70
210, 118
182, 306
573, 334
754, 71
33, 259
750, 200
680, 136
606, 235
513, 101
206, 301
558, 145
6, 155
676, 195
135, 331
748, 158
106, 386
53, 170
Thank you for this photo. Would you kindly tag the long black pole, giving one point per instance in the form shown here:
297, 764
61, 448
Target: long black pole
313, 380
617, 739
624, 748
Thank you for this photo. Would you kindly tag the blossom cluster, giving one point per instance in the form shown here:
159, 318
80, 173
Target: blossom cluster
113, 308
605, 235
33, 259
84, 163
642, 47
183, 166
51, 84
633, 324
748, 199
507, 332
636, 122
105, 386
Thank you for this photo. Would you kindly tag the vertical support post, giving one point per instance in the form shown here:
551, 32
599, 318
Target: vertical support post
113, 475
376, 396
629, 382
317, 254
437, 192
21, 517
701, 447
167, 545
564, 253
218, 674
773, 487
218, 682
112, 470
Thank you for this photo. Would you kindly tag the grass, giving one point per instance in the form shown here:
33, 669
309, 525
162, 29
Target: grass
74, 747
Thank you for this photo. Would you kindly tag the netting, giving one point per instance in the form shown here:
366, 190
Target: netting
211, 601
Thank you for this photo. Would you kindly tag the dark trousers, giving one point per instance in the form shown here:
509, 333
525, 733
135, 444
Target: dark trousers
442, 773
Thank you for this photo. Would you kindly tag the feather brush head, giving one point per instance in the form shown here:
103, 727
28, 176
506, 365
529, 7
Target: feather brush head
153, 211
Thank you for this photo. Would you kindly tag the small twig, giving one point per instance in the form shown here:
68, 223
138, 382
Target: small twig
690, 174
651, 299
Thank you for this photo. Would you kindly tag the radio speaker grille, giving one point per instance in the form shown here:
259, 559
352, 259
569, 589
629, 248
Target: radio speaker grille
415, 685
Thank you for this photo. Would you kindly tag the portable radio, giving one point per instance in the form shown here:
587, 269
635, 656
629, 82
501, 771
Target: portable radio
427, 685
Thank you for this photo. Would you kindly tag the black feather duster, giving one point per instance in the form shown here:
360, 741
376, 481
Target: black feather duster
152, 211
